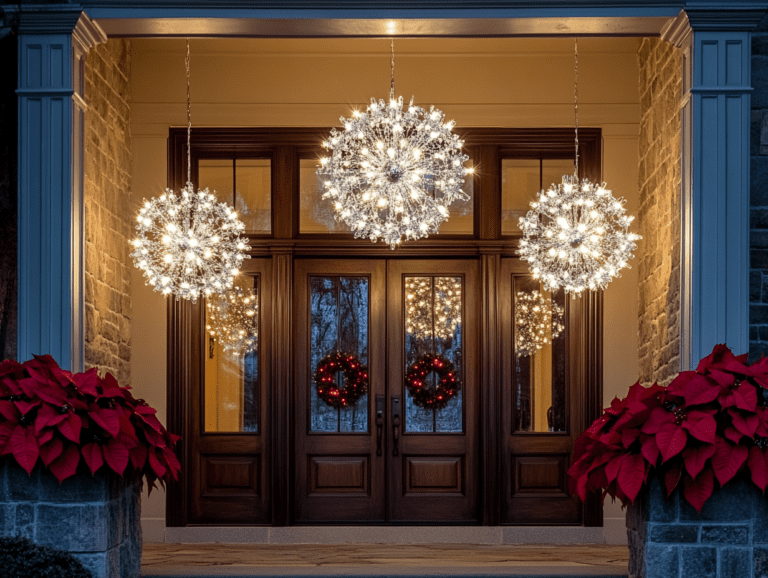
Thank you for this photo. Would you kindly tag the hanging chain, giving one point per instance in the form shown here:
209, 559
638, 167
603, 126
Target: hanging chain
189, 123
392, 72
576, 102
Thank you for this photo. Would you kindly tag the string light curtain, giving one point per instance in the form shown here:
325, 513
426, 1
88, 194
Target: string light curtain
393, 171
188, 244
576, 235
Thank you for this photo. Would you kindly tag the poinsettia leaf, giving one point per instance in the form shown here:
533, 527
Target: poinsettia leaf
26, 406
106, 418
671, 441
44, 437
718, 352
696, 457
86, 382
629, 436
70, 427
700, 390
650, 450
701, 425
745, 423
51, 450
612, 468
631, 475
48, 416
173, 462
658, 418
672, 477
92, 454
155, 464
733, 434
746, 396
6, 429
9, 410
758, 467
116, 456
66, 464
699, 490
138, 456
728, 459
24, 447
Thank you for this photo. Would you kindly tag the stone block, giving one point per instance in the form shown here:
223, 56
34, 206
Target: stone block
22, 487
755, 286
698, 562
760, 558
760, 81
102, 564
725, 534
735, 562
7, 519
734, 505
661, 561
25, 520
758, 258
78, 489
661, 509
684, 533
758, 170
74, 528
758, 314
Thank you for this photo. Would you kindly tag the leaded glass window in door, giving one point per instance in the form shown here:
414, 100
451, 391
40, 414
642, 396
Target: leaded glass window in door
434, 310
339, 322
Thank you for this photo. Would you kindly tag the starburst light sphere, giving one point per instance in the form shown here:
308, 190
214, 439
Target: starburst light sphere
538, 320
393, 171
576, 236
232, 318
189, 244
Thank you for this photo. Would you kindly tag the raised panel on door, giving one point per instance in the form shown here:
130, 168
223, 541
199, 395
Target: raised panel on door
542, 396
339, 307
433, 453
229, 442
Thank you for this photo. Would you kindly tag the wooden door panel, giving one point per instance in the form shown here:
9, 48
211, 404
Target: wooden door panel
434, 477
338, 476
229, 470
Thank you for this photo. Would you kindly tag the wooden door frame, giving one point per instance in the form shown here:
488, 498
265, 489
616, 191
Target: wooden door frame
285, 146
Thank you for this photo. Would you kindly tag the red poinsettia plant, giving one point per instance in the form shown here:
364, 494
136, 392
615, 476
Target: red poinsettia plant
68, 421
700, 431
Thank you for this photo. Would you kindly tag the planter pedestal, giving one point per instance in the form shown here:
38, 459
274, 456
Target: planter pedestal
97, 519
729, 539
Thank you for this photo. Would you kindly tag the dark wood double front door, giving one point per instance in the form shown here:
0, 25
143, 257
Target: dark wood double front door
386, 458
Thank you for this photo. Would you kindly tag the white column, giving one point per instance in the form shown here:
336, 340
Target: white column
52, 43
714, 284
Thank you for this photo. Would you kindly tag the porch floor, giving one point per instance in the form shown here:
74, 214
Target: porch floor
382, 560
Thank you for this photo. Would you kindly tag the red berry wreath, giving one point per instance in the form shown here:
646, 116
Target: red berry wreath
448, 383
355, 379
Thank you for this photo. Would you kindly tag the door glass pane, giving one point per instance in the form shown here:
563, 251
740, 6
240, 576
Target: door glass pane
461, 220
520, 181
316, 215
539, 358
434, 311
232, 359
245, 184
339, 310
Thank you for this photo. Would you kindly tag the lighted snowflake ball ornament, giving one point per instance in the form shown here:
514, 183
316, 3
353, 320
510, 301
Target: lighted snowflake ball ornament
189, 244
538, 321
232, 319
393, 171
576, 236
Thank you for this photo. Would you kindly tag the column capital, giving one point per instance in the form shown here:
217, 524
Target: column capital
39, 19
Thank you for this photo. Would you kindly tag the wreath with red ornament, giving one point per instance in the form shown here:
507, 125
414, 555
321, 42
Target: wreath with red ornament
355, 379
448, 383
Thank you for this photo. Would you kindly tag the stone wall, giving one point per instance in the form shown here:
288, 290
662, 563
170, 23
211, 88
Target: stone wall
659, 216
107, 210
729, 539
95, 518
758, 218
8, 196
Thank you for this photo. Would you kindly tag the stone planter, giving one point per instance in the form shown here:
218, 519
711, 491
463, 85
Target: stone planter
97, 519
729, 539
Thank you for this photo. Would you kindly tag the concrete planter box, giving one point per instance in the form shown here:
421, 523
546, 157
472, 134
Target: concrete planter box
729, 539
97, 519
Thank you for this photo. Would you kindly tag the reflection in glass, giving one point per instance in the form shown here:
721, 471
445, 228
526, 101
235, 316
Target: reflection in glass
232, 377
521, 179
433, 322
339, 309
245, 184
539, 376
315, 214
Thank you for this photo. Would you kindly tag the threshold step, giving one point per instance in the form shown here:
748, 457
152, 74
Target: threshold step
363, 572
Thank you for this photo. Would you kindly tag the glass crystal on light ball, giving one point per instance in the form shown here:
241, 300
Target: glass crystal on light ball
189, 244
576, 236
232, 318
538, 320
393, 171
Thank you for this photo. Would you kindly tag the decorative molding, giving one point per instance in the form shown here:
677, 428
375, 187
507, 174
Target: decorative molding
87, 33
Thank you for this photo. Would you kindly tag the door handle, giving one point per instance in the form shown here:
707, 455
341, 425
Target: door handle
379, 422
395, 424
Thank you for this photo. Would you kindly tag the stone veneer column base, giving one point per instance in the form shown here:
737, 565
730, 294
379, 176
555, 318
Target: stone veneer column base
97, 519
729, 539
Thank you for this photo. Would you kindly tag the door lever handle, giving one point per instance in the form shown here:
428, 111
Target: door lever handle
379, 422
395, 425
